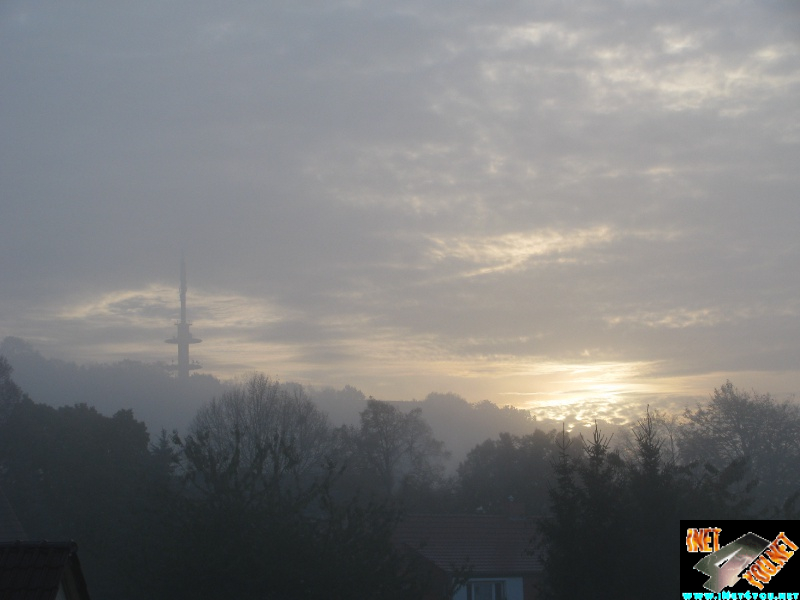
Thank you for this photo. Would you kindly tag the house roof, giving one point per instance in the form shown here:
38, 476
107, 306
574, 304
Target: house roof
36, 570
487, 544
10, 527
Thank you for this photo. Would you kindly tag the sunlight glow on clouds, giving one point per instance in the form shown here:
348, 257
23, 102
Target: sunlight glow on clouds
149, 314
584, 391
674, 318
513, 251
537, 34
683, 317
700, 81
150, 306
131, 307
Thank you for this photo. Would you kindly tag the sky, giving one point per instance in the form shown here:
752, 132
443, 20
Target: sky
585, 206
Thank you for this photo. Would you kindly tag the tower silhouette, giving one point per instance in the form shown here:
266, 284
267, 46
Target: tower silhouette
184, 337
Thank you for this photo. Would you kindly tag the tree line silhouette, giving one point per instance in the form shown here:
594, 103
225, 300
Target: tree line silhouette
262, 497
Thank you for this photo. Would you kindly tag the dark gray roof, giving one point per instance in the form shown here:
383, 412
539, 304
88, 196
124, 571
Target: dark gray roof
488, 544
36, 570
10, 527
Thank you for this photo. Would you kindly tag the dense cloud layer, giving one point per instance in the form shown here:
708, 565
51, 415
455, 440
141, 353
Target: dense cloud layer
522, 201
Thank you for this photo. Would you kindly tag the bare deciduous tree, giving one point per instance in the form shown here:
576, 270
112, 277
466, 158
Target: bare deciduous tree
254, 443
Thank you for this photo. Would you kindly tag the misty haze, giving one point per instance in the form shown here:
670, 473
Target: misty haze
393, 300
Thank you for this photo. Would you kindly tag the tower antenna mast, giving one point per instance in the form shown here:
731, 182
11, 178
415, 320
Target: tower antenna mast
184, 337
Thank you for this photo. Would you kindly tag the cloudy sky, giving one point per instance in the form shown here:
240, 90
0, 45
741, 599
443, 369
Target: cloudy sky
591, 203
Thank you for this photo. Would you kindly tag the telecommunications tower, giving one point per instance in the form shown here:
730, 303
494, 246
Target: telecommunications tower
184, 337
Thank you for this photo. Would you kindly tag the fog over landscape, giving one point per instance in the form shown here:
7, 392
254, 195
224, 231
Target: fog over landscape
565, 207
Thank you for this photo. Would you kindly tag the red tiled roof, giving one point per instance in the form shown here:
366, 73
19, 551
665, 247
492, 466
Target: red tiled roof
488, 544
34, 570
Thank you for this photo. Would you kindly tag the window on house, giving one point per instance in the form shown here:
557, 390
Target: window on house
486, 590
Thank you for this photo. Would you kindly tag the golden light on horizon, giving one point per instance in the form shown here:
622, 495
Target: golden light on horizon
244, 334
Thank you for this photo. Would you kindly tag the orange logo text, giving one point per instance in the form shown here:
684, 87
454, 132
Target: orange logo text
701, 540
766, 566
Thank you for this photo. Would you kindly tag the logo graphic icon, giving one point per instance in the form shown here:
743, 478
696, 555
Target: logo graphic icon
749, 557
724, 565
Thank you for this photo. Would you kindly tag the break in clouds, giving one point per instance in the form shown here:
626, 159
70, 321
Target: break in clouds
536, 203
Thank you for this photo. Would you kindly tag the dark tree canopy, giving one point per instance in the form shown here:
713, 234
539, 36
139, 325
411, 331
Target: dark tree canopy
10, 393
393, 451
72, 473
735, 425
601, 500
256, 518
510, 466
